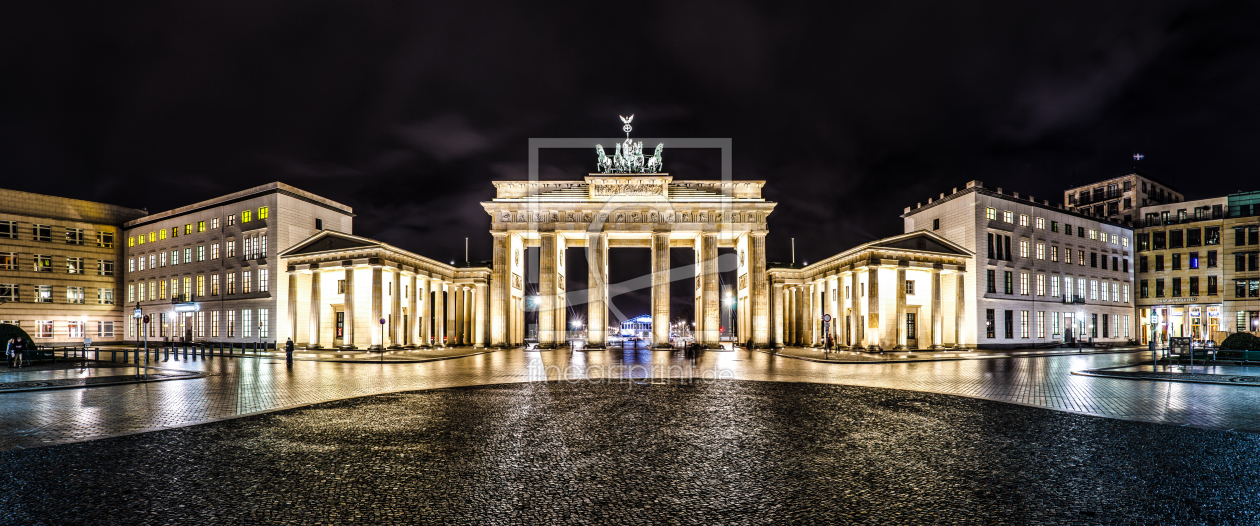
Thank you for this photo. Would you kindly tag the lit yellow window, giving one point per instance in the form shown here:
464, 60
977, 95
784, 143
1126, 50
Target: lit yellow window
247, 216
162, 295
174, 231
162, 234
131, 241
141, 239
201, 226
152, 236
201, 285
262, 213
188, 228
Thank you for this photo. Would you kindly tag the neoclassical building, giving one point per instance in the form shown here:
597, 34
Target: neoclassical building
647, 210
341, 287
901, 292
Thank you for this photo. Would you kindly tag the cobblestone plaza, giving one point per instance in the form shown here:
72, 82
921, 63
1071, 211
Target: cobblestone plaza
630, 435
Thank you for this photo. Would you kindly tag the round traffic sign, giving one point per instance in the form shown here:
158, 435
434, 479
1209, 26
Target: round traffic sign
382, 321
826, 318
146, 318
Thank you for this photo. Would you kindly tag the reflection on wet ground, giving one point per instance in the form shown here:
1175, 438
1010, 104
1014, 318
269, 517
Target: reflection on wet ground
246, 386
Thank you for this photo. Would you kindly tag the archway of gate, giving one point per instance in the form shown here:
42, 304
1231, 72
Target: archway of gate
645, 211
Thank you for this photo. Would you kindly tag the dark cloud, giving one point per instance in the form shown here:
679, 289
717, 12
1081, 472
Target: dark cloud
850, 111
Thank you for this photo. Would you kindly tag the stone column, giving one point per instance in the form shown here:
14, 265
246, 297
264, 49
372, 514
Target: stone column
660, 290
547, 291
500, 276
482, 301
798, 297
960, 293
709, 294
412, 314
347, 336
458, 302
293, 299
760, 293
597, 290
810, 318
452, 333
424, 296
315, 305
439, 313
855, 310
901, 308
378, 308
779, 298
937, 316
468, 315
395, 311
872, 308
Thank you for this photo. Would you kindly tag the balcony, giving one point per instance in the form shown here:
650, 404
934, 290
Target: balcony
1072, 300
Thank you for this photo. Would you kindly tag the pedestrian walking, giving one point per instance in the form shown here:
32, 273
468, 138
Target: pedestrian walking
830, 342
288, 351
19, 351
8, 353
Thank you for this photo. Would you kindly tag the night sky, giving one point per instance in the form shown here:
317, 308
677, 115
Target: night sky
406, 110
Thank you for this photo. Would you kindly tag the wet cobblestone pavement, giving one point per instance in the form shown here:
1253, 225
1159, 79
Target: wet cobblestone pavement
724, 452
241, 387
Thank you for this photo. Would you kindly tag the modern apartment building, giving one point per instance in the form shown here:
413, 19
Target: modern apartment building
60, 267
209, 271
1117, 199
1044, 274
1242, 242
1181, 264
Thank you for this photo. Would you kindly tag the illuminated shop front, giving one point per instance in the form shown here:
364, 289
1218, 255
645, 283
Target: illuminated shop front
1196, 321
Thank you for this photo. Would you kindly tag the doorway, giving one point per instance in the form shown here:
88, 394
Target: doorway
339, 326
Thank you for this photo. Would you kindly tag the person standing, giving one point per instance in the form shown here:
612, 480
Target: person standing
8, 352
19, 352
288, 351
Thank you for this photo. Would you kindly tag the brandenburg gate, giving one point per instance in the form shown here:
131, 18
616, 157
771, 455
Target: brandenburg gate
630, 203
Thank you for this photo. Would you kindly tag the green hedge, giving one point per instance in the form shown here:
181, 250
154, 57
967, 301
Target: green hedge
1241, 341
9, 332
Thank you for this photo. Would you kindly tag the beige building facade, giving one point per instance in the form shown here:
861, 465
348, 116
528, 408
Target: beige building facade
61, 267
209, 271
1118, 199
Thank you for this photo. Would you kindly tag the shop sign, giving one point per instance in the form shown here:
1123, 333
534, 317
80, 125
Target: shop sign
1214, 311
1196, 311
1177, 300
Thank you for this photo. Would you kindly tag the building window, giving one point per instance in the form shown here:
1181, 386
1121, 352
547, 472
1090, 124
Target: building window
214, 324
201, 285
162, 294
262, 282
1176, 261
1054, 254
1115, 292
1194, 237
1054, 226
910, 331
1041, 284
990, 325
1159, 288
1125, 286
43, 263
214, 285
245, 281
1009, 321
1041, 324
201, 253
1212, 235
1093, 259
214, 225
201, 226
8, 229
262, 323
105, 296
341, 287
162, 233
1211, 259
1080, 231
990, 273
936, 224
8, 260
1067, 256
41, 233
1194, 286
188, 229
74, 236
44, 329
153, 290
175, 257
104, 329
231, 248
74, 295
1080, 257
1010, 282
262, 212
909, 287
990, 213
231, 220
1008, 216
1041, 223
1194, 260
231, 318
105, 267
319, 224
1093, 289
231, 283
214, 251
247, 216
9, 292
188, 255
1023, 248
1054, 286
1211, 287
131, 293
1023, 220
1023, 283
246, 323
1144, 290
1041, 251
74, 265
1159, 263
